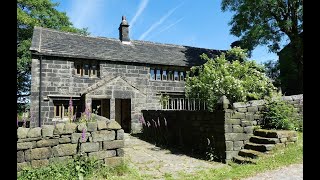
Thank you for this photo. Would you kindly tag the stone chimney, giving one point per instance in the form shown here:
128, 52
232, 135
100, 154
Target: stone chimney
124, 31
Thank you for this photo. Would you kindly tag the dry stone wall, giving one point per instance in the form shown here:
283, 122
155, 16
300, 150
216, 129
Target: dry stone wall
103, 140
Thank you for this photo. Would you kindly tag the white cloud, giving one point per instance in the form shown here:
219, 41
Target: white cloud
161, 20
167, 27
142, 6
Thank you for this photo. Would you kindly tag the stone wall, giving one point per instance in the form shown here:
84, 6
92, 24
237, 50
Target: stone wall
189, 129
118, 80
40, 146
228, 129
241, 118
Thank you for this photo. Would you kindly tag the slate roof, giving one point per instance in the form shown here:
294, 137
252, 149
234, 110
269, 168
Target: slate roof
56, 43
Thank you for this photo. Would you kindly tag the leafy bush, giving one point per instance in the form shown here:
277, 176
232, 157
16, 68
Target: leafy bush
281, 115
238, 79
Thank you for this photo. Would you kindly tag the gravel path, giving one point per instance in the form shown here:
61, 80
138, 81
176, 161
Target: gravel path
292, 172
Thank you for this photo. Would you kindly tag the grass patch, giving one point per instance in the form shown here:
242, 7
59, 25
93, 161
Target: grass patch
279, 157
92, 170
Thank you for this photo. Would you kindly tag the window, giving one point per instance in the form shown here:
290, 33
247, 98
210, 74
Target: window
181, 76
61, 109
176, 76
164, 75
170, 76
158, 75
152, 76
86, 68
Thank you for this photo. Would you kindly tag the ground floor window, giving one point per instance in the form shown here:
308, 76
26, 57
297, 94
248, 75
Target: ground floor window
63, 110
179, 102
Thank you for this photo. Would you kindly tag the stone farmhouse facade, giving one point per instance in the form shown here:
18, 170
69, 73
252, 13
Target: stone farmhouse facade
117, 78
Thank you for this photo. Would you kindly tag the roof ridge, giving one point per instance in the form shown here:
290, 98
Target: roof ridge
134, 41
75, 34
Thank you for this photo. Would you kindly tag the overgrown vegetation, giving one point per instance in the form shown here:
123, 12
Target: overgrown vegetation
282, 115
79, 168
239, 79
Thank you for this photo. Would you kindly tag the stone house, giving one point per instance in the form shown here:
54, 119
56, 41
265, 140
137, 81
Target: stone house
117, 78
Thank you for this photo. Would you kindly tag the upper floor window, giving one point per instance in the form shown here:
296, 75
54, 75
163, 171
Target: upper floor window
166, 74
152, 76
87, 68
158, 75
176, 76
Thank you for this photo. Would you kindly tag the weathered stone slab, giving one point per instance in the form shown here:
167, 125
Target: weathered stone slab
248, 129
47, 130
39, 163
246, 123
92, 126
228, 128
232, 121
38, 153
20, 156
34, 132
113, 125
237, 129
231, 154
113, 144
23, 165
229, 145
102, 125
59, 128
237, 145
249, 116
47, 142
64, 140
113, 161
120, 152
104, 135
242, 109
81, 127
64, 150
60, 159
22, 132
234, 136
253, 109
120, 134
70, 128
237, 115
103, 154
90, 147
240, 105
75, 137
29, 139
25, 145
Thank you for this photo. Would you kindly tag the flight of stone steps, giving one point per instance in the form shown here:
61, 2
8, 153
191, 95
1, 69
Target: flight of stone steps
262, 142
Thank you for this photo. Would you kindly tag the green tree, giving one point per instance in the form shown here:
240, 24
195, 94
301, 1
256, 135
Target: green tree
266, 22
238, 80
273, 71
32, 13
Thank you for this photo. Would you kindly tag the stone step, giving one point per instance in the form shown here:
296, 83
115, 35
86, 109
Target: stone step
264, 140
259, 147
266, 133
243, 160
249, 153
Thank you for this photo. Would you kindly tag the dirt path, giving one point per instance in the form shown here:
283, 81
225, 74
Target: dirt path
159, 162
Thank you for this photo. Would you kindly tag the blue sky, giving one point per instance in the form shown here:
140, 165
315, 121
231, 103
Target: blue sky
183, 22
